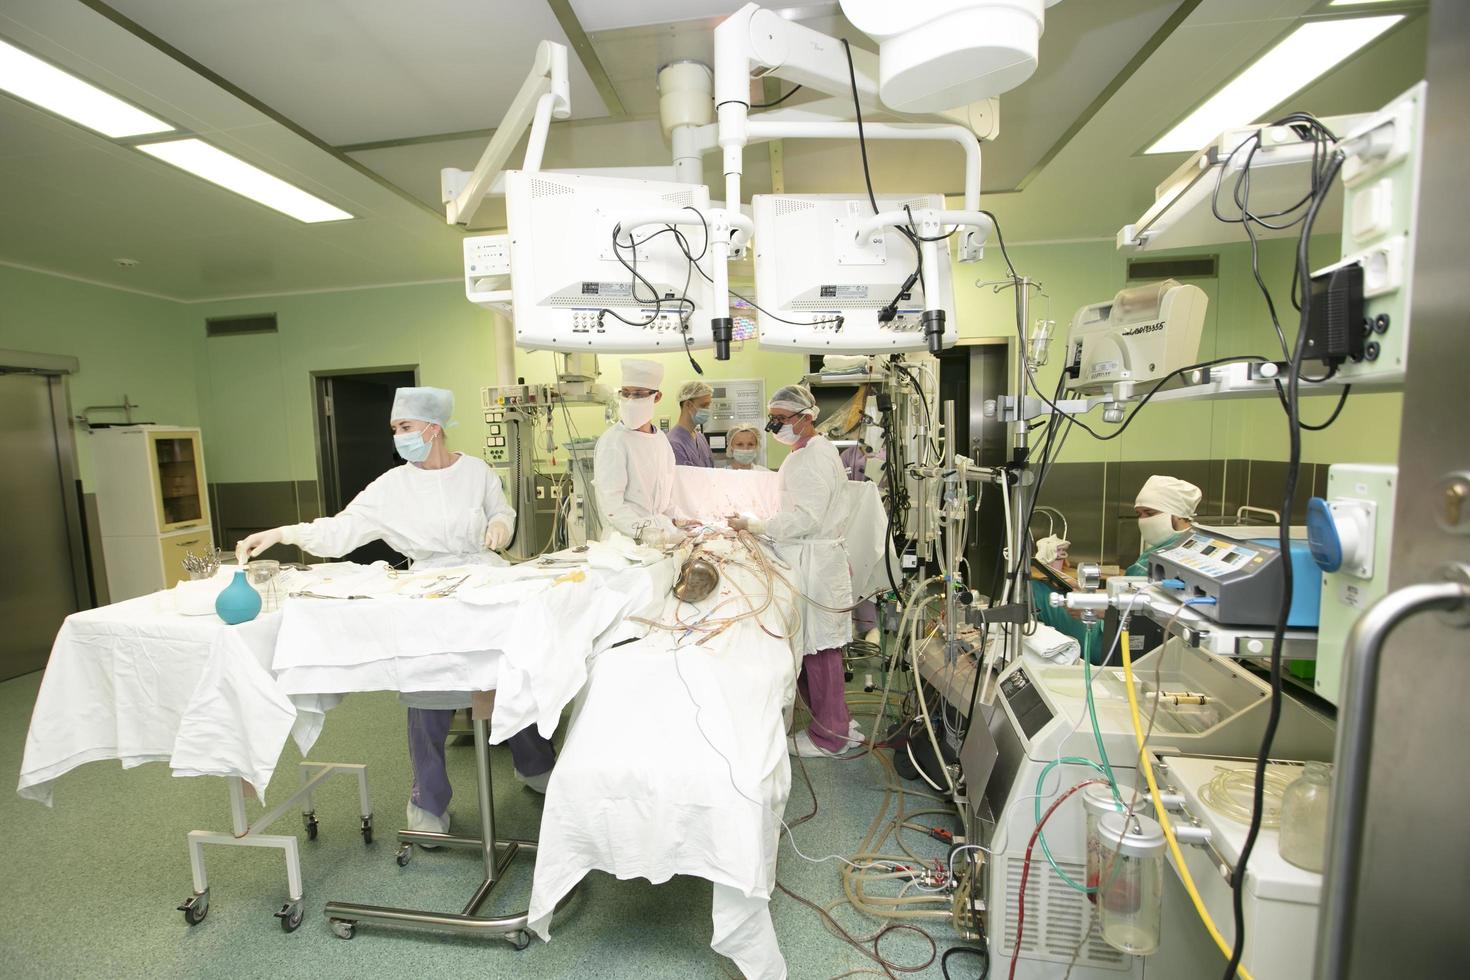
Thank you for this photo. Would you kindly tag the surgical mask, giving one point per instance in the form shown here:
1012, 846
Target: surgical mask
412, 446
635, 412
1156, 530
701, 416
786, 435
745, 456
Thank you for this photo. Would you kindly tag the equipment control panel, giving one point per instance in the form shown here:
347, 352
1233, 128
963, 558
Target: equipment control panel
1238, 581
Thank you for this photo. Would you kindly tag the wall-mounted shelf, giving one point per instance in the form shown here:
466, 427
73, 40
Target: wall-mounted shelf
1181, 215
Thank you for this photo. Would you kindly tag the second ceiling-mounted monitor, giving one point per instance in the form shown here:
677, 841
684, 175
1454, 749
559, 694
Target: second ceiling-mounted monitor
580, 282
821, 287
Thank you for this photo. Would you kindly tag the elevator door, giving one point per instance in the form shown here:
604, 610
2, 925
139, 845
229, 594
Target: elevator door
37, 588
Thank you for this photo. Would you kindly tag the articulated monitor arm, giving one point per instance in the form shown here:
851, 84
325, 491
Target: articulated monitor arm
543, 96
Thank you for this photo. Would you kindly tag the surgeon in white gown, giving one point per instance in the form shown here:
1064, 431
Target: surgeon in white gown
633, 464
440, 509
808, 532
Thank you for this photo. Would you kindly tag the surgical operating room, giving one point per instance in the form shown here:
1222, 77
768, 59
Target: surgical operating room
958, 489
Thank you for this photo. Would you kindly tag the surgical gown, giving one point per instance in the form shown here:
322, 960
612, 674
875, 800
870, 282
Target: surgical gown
435, 517
633, 475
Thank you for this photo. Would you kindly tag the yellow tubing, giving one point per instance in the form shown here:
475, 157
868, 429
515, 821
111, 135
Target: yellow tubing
1153, 792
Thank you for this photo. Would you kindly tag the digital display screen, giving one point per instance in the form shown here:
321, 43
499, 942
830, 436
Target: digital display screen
1210, 549
1230, 557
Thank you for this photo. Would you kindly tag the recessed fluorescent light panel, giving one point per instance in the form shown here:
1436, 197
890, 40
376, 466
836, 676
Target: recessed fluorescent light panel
1304, 55
1357, 3
40, 83
247, 180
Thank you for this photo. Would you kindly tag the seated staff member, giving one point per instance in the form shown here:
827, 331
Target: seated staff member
690, 446
1164, 508
441, 509
808, 532
633, 464
743, 447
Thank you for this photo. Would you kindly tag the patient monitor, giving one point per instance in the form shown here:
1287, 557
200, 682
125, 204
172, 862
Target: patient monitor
1139, 336
823, 287
573, 289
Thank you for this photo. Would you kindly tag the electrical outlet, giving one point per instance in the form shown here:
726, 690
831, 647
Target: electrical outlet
540, 493
556, 491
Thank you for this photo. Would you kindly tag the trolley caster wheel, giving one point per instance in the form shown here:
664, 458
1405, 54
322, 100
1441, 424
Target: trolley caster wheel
309, 819
367, 829
290, 916
405, 855
344, 928
195, 908
520, 939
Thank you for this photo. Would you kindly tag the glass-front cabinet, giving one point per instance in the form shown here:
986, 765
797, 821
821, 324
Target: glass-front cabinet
178, 467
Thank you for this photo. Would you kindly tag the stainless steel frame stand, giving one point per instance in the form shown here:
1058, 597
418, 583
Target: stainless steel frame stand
246, 834
497, 855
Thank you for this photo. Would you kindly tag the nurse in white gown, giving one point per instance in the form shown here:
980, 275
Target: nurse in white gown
633, 465
439, 509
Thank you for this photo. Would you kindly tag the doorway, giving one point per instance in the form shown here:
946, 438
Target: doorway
40, 537
354, 444
970, 373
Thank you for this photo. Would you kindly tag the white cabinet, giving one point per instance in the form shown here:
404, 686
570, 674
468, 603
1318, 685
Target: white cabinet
153, 504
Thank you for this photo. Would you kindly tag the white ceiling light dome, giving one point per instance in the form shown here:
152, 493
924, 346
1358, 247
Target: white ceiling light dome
938, 54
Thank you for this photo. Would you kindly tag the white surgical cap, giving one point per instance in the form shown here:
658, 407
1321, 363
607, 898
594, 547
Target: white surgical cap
739, 427
797, 399
434, 405
641, 373
1168, 495
694, 389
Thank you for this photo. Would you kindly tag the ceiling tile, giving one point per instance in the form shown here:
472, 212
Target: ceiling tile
355, 71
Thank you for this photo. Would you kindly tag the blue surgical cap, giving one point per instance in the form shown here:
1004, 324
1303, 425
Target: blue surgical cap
434, 405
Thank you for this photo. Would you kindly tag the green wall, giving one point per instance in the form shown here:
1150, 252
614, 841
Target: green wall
1077, 274
253, 394
125, 343
257, 390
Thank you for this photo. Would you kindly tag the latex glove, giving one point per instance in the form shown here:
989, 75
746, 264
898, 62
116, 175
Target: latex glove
256, 543
497, 536
746, 522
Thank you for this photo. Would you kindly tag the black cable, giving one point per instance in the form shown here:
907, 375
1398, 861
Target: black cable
973, 951
1248, 219
839, 319
1341, 401
908, 209
1278, 637
857, 108
638, 277
771, 105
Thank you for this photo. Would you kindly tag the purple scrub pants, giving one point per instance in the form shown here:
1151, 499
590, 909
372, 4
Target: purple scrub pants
824, 690
429, 727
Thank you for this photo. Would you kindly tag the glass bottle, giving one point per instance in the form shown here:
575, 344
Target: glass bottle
1306, 807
